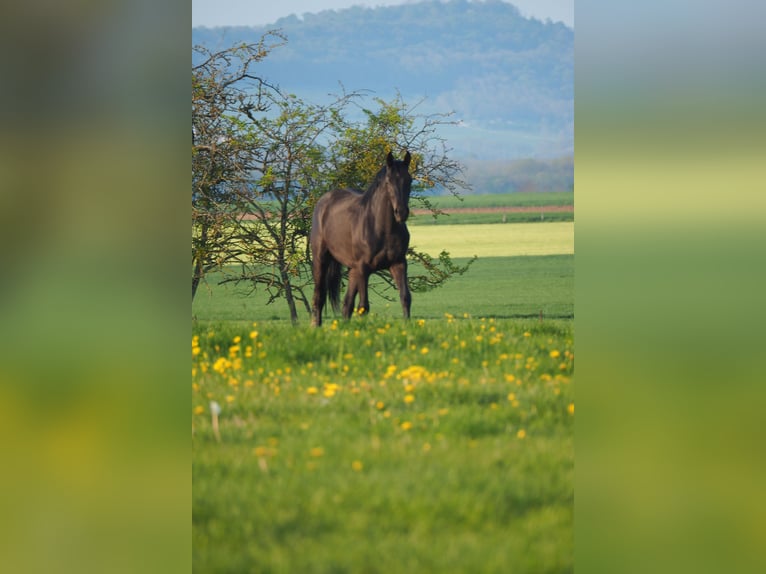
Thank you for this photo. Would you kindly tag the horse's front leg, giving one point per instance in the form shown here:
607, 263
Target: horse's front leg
364, 302
399, 273
350, 298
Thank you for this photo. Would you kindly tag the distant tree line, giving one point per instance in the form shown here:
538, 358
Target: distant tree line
520, 175
483, 59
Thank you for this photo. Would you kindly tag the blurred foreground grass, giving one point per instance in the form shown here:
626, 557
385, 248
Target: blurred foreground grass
376, 445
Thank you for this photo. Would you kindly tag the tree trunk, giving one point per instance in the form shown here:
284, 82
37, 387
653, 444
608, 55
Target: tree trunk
196, 277
199, 269
289, 297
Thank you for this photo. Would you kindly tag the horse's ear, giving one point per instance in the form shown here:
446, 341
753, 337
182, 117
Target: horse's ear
407, 159
390, 159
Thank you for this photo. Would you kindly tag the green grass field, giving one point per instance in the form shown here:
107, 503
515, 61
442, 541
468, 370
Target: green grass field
518, 199
502, 287
503, 282
457, 218
441, 444
506, 200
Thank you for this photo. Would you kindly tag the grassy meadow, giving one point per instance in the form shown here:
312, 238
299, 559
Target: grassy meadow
516, 199
441, 444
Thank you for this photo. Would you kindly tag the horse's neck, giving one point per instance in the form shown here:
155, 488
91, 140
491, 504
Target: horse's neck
381, 210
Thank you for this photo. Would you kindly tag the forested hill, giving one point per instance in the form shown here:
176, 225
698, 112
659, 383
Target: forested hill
510, 79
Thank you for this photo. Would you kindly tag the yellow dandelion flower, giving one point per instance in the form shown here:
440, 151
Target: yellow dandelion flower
312, 390
509, 378
357, 466
198, 410
406, 425
570, 408
522, 433
527, 334
443, 412
554, 354
424, 351
511, 397
316, 452
426, 447
380, 405
330, 389
237, 339
253, 334
421, 322
230, 398
409, 399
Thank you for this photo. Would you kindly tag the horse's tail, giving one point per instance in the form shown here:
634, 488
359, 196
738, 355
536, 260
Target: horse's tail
333, 283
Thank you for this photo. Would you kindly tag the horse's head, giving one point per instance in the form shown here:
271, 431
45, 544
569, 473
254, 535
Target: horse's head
398, 182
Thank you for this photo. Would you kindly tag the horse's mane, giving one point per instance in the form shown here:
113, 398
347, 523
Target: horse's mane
377, 180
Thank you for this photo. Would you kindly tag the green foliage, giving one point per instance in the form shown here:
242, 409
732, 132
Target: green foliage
379, 446
224, 90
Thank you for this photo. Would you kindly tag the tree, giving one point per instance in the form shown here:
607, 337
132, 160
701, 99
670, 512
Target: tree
224, 90
290, 172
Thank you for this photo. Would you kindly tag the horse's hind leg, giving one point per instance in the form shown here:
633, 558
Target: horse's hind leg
319, 270
399, 273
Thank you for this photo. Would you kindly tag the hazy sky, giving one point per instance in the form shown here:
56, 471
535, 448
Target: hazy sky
255, 13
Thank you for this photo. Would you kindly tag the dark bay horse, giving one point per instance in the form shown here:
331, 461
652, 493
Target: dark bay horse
366, 232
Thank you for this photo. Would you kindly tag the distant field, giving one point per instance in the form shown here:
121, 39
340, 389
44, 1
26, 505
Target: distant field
505, 200
497, 208
495, 240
